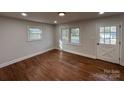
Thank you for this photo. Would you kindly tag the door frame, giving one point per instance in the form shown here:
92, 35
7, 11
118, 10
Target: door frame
120, 38
121, 43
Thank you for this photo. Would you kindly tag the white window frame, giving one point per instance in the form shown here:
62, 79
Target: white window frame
69, 41
62, 36
109, 37
70, 35
28, 33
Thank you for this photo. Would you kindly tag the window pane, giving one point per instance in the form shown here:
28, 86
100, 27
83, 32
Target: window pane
75, 35
107, 41
35, 36
101, 35
113, 41
107, 29
101, 41
113, 35
65, 35
34, 30
107, 35
34, 33
113, 29
101, 29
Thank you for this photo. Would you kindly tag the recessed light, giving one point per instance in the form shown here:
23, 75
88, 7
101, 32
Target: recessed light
61, 13
23, 14
55, 22
101, 13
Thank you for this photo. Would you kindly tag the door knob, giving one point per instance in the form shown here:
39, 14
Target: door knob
97, 43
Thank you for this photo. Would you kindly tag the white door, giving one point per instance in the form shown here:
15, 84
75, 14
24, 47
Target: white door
108, 43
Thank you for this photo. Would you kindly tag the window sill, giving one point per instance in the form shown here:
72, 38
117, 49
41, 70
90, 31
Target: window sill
33, 40
73, 44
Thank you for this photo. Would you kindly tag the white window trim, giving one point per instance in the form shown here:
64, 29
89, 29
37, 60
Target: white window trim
70, 36
69, 41
104, 38
39, 27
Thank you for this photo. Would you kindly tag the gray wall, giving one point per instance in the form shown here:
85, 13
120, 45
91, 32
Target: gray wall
13, 39
14, 44
88, 35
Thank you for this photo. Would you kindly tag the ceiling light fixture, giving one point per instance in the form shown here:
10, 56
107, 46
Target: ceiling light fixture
24, 14
55, 22
101, 13
61, 13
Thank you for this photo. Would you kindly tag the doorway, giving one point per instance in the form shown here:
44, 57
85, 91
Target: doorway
108, 46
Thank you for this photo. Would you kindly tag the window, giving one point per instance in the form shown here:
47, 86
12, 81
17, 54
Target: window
108, 35
70, 35
74, 35
34, 33
65, 35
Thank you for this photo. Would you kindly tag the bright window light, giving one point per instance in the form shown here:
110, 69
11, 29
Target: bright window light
34, 33
65, 35
75, 35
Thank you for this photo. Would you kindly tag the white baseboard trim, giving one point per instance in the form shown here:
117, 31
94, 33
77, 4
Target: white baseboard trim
58, 48
85, 55
23, 58
122, 63
4, 64
81, 54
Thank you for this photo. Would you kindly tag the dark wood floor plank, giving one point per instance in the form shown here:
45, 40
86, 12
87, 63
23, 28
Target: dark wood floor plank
59, 65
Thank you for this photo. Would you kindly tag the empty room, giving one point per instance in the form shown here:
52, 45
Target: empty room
61, 46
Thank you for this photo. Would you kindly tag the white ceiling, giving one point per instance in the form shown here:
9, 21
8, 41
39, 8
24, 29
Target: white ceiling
50, 17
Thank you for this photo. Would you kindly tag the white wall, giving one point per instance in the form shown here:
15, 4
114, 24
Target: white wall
14, 44
88, 37
13, 39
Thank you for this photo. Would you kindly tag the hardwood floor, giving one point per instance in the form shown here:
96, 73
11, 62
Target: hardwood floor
60, 65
